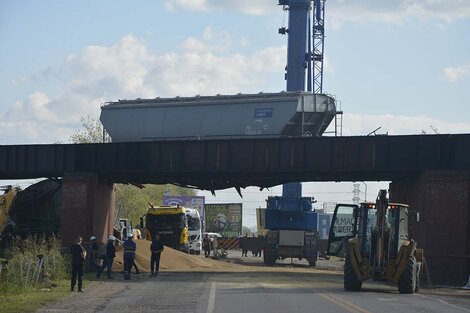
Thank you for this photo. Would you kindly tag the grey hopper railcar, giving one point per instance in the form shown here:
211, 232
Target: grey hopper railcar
284, 114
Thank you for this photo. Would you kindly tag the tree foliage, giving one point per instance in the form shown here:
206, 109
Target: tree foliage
131, 202
92, 131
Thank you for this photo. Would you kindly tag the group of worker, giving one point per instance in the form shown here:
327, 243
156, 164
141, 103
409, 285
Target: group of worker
255, 252
100, 262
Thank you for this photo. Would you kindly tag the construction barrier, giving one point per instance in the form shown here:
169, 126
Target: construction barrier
229, 243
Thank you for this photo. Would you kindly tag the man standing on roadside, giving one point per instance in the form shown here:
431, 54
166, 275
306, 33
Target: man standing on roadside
243, 244
129, 256
109, 255
156, 248
206, 244
78, 256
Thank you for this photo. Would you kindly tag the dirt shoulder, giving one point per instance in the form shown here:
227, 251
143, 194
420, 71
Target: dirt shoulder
97, 295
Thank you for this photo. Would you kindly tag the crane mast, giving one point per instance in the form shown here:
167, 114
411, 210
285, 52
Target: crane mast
305, 49
318, 44
305, 46
292, 225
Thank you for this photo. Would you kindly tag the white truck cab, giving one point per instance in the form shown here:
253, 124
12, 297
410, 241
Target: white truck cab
194, 231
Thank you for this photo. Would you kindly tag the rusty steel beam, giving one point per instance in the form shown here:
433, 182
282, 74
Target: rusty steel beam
218, 164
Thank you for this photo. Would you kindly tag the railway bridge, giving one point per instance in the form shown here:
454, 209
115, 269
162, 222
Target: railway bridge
429, 172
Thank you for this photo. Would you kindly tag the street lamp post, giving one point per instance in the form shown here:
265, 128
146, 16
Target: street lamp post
365, 194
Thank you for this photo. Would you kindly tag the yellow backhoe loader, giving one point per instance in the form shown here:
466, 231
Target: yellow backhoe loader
376, 242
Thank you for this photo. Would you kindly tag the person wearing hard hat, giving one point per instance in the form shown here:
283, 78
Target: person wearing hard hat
110, 254
94, 248
129, 256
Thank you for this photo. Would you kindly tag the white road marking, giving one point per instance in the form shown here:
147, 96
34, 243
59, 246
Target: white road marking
444, 302
211, 303
348, 306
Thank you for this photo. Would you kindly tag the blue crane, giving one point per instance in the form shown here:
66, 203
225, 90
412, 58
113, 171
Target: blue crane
301, 55
292, 225
305, 44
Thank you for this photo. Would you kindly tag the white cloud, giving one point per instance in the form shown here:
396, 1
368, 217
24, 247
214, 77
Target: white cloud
197, 5
35, 104
454, 74
127, 69
342, 11
363, 124
209, 41
252, 7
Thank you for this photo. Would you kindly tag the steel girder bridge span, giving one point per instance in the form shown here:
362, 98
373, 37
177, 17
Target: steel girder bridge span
429, 172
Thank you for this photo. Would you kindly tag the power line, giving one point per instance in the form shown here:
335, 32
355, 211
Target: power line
262, 192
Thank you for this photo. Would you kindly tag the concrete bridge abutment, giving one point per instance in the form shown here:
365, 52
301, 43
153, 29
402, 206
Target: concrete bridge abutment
443, 231
87, 208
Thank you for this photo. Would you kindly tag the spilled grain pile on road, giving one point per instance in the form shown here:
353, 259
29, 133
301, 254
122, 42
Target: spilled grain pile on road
177, 261
173, 260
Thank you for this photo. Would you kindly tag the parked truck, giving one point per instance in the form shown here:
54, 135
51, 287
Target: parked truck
194, 231
292, 229
170, 222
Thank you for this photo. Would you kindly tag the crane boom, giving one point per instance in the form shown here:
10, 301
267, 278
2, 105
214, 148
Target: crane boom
318, 44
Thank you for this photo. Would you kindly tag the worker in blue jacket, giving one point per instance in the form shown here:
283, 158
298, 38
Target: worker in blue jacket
109, 255
156, 248
129, 256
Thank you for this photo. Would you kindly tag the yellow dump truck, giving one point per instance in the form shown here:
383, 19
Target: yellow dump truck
170, 223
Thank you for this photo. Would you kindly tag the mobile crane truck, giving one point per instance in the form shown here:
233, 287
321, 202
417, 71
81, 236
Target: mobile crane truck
292, 227
378, 245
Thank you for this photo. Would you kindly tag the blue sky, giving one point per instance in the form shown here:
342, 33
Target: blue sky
403, 65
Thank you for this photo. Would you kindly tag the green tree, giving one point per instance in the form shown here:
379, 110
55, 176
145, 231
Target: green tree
131, 201
92, 131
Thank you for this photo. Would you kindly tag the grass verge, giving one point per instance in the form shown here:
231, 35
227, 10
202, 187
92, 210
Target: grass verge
31, 299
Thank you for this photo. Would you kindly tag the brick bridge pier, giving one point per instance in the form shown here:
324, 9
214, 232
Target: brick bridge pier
443, 201
87, 208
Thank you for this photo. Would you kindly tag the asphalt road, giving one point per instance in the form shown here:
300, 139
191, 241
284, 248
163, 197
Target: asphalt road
288, 290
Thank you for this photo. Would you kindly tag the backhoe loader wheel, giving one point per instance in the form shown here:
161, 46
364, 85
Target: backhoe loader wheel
417, 284
351, 283
418, 276
408, 280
